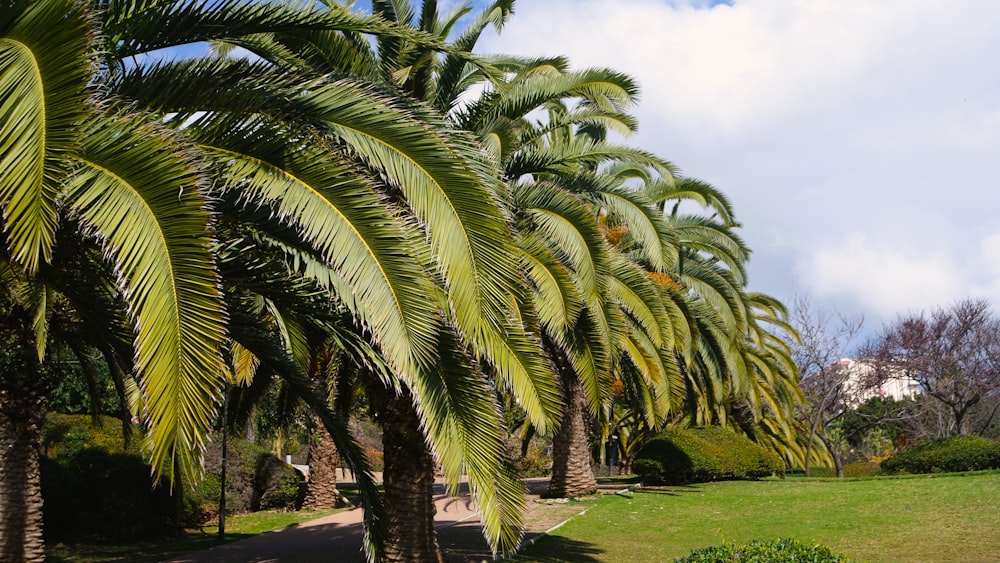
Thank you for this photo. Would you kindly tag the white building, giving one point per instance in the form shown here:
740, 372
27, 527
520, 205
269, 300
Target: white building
862, 383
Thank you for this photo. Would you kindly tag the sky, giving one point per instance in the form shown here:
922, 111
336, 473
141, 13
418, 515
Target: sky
858, 140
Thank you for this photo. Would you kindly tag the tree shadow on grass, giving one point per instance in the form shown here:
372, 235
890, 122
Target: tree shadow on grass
670, 490
137, 552
464, 543
558, 549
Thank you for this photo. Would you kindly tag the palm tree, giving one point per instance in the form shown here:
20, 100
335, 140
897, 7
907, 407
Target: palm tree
441, 80
314, 169
739, 371
486, 328
74, 165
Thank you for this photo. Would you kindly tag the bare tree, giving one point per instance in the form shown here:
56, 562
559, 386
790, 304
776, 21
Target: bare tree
825, 339
953, 353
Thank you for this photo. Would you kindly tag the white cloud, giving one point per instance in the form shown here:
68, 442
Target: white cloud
990, 253
819, 118
884, 279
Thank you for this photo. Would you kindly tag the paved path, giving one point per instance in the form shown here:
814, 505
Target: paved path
338, 537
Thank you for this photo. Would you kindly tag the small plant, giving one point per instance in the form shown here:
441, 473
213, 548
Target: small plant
957, 453
785, 550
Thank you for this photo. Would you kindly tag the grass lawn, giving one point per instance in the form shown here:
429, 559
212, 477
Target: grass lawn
237, 527
917, 518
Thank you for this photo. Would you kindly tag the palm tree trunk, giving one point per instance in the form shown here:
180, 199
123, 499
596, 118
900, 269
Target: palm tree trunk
22, 412
323, 463
408, 479
572, 475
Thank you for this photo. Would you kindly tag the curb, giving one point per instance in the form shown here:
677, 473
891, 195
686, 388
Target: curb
531, 542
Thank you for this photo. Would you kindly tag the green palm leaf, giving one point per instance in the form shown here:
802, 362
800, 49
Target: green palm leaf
464, 426
138, 193
44, 74
342, 218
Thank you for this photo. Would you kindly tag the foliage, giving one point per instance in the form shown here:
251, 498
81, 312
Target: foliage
97, 486
65, 435
255, 480
953, 354
862, 469
647, 468
74, 394
882, 414
785, 550
532, 461
92, 477
94, 495
958, 453
686, 455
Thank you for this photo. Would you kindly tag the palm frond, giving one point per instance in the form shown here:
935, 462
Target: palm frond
341, 217
45, 68
137, 193
463, 424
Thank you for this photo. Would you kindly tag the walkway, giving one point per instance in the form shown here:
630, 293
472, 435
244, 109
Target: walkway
338, 537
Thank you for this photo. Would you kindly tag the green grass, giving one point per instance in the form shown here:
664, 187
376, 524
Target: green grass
920, 518
237, 527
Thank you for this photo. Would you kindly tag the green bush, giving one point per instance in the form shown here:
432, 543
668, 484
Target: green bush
94, 495
689, 455
862, 469
535, 462
65, 435
957, 453
255, 480
647, 467
773, 551
97, 487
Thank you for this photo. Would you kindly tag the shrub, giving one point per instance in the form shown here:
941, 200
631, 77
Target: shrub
647, 467
773, 551
255, 480
96, 495
861, 469
535, 462
95, 487
822, 472
687, 455
65, 435
957, 453
277, 486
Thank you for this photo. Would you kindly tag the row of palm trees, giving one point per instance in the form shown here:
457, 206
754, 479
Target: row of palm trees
362, 208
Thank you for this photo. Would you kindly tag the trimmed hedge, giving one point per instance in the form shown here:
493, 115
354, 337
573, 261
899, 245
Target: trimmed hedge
784, 550
957, 453
862, 469
95, 488
691, 455
94, 495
